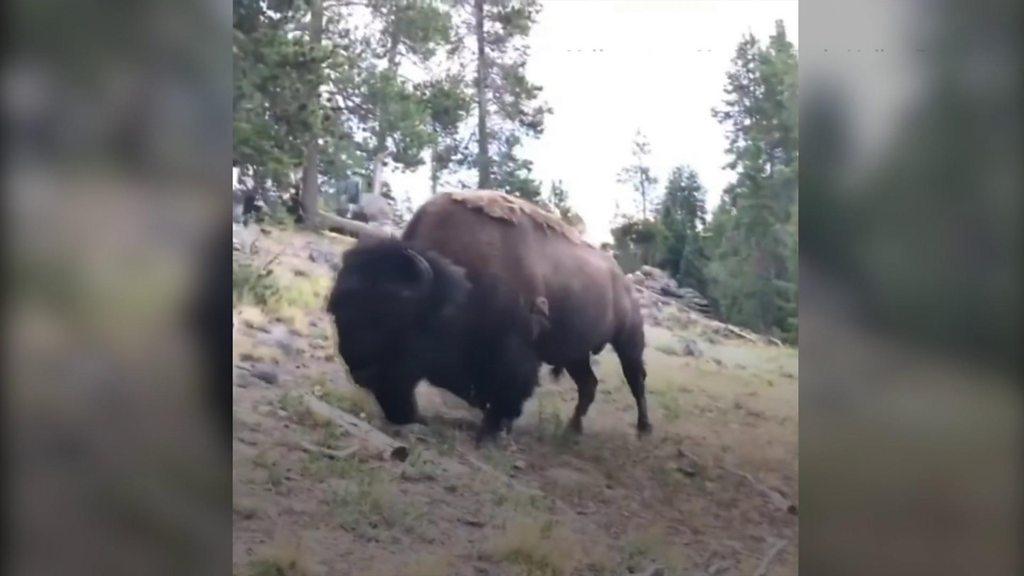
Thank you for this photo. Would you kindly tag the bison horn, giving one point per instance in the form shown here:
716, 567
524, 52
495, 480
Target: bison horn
425, 274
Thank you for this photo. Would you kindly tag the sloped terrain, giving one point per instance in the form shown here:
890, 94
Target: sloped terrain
712, 491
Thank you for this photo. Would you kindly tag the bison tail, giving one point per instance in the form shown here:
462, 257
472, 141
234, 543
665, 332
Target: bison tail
556, 371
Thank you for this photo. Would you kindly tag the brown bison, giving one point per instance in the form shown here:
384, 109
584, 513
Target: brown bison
481, 289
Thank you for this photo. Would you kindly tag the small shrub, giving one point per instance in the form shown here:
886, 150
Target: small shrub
668, 349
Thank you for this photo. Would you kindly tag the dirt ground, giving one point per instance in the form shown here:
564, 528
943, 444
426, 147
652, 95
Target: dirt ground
713, 490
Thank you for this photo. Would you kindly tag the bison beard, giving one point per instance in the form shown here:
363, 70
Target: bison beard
403, 315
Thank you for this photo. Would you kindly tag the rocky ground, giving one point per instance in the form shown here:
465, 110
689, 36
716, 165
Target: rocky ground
319, 487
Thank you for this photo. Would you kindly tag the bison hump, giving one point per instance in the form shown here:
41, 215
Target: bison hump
501, 206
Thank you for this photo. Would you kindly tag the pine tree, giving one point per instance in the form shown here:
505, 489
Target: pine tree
683, 215
557, 200
507, 104
448, 103
640, 176
276, 74
752, 237
407, 33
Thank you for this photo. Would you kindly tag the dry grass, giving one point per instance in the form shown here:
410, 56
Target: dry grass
668, 349
284, 558
248, 351
651, 546
370, 506
440, 564
536, 547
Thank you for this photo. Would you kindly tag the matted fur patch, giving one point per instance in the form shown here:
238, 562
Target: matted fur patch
511, 209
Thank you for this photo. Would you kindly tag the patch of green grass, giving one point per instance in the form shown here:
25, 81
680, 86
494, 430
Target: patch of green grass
551, 426
420, 466
352, 400
328, 436
253, 284
269, 463
369, 506
433, 564
671, 407
497, 457
275, 291
445, 439
652, 546
292, 403
320, 467
304, 292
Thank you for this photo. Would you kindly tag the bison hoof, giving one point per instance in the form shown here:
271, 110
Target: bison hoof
485, 435
643, 429
575, 426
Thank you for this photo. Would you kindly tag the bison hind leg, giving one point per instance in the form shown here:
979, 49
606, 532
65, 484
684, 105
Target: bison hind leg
630, 352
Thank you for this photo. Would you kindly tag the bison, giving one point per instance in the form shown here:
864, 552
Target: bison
479, 291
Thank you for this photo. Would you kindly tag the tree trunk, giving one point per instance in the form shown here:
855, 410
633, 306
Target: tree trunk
483, 158
310, 196
435, 173
382, 151
378, 172
643, 200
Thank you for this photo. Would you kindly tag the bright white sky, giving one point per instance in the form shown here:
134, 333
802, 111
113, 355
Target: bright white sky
609, 68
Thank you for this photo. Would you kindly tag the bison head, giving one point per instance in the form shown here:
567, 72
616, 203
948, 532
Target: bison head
388, 303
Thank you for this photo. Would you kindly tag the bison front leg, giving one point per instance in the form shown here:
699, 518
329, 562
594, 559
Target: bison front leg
511, 380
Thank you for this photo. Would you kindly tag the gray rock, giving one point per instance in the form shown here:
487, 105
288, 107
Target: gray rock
265, 375
690, 348
318, 256
376, 208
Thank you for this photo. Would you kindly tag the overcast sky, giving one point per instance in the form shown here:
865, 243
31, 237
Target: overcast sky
608, 68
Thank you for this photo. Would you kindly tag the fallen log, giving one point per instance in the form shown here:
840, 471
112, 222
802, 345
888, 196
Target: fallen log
330, 453
352, 227
739, 332
773, 496
363, 433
